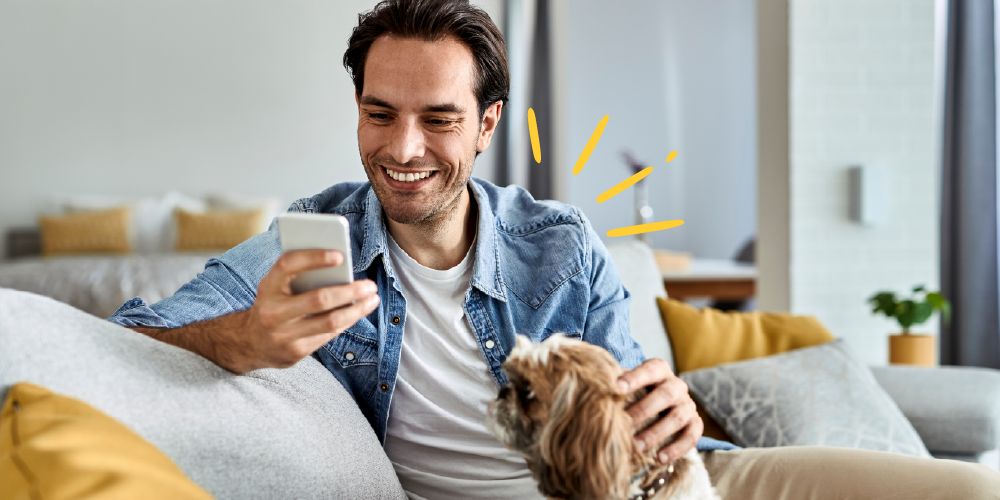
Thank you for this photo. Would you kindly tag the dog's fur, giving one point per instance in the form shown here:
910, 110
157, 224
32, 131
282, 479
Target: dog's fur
563, 413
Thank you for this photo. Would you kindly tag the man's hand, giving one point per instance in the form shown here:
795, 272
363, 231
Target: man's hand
668, 396
280, 328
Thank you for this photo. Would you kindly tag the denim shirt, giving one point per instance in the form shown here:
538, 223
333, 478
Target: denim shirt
540, 269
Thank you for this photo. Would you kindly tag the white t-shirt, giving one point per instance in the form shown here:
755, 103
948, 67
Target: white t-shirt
436, 437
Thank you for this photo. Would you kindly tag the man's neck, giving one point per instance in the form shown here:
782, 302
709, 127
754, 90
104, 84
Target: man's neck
440, 243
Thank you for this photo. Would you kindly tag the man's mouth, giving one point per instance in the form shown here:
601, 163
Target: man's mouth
408, 176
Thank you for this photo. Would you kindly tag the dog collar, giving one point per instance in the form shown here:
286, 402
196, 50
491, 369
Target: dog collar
658, 483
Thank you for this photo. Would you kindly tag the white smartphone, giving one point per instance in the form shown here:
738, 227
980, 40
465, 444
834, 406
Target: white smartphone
317, 231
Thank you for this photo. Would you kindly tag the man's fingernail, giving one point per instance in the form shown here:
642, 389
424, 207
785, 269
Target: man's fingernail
640, 445
664, 458
623, 386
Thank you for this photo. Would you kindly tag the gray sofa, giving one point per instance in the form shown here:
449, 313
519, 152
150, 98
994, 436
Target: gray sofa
296, 433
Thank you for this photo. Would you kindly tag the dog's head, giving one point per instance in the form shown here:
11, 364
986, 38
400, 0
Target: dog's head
563, 412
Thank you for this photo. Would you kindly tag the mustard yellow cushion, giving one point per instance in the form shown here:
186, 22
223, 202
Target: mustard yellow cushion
104, 231
54, 447
217, 229
708, 337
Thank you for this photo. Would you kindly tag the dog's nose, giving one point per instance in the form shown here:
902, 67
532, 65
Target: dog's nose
504, 392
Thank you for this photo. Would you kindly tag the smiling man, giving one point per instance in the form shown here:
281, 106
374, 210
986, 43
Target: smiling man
447, 270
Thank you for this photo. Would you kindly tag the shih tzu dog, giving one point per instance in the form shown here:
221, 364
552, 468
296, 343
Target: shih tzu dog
563, 413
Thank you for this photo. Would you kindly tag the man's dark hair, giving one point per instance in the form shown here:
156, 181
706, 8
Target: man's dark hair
432, 20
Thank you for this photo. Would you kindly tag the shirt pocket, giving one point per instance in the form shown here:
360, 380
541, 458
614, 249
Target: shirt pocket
356, 357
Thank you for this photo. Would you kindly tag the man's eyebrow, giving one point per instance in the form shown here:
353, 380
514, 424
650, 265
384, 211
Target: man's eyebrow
375, 101
445, 108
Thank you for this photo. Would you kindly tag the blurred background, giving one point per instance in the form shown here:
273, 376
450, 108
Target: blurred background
771, 105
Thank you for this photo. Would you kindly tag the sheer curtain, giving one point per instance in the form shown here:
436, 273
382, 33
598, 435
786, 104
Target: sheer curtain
970, 192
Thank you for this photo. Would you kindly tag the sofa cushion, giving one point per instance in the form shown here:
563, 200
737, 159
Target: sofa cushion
60, 448
708, 337
956, 410
818, 395
293, 433
641, 277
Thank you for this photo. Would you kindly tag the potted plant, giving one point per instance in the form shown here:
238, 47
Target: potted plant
907, 348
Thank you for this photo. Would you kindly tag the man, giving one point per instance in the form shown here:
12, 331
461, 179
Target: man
447, 269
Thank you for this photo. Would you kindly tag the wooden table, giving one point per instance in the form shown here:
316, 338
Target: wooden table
711, 278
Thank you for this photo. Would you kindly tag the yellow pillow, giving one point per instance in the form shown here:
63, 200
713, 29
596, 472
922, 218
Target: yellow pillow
217, 229
56, 448
708, 337
103, 231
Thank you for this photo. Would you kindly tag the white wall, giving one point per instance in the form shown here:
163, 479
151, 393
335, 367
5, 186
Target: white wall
126, 96
672, 75
862, 91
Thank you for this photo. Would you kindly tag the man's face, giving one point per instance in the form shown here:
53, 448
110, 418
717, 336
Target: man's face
418, 118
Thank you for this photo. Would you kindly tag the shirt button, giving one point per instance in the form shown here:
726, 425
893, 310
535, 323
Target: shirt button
490, 344
395, 320
384, 387
349, 356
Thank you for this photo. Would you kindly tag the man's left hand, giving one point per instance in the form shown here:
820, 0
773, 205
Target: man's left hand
668, 396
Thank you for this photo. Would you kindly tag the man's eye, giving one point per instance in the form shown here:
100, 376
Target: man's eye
438, 122
378, 116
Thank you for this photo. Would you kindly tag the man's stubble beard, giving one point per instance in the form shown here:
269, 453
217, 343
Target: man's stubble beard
433, 216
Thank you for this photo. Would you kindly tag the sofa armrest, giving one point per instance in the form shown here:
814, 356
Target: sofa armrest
954, 409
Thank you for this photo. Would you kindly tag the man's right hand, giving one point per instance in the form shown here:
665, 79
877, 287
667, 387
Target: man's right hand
280, 328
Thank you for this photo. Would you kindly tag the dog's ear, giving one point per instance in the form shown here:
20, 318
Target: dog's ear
586, 446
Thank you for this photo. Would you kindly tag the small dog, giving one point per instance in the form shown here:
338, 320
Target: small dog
563, 413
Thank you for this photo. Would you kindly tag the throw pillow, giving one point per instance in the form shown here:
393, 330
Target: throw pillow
708, 337
56, 447
217, 229
104, 231
820, 396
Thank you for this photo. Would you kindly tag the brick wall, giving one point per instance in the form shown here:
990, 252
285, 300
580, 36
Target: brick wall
862, 91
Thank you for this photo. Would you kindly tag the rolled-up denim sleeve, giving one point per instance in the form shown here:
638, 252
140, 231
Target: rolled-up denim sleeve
607, 318
227, 285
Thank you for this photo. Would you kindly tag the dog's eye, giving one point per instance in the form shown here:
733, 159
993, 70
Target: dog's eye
525, 394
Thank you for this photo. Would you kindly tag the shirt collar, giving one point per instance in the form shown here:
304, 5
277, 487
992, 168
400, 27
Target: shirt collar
486, 275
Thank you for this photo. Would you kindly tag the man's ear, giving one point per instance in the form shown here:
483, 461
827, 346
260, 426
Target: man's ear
491, 118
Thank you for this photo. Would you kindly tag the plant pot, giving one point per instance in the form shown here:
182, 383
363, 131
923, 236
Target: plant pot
909, 349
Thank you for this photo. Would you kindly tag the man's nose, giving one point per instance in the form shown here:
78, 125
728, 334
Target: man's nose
408, 142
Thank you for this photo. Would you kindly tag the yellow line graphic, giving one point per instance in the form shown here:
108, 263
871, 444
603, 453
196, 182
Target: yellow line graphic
644, 228
671, 156
591, 144
623, 185
536, 149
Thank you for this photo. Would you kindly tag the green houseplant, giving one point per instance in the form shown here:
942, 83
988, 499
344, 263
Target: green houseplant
907, 348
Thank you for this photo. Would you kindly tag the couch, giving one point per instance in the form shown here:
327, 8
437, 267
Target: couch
296, 433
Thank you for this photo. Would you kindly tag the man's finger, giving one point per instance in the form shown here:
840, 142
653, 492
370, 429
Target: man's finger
332, 322
677, 418
650, 372
662, 397
292, 264
326, 299
687, 440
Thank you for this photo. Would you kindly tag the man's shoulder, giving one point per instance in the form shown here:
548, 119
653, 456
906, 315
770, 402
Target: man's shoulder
343, 198
517, 212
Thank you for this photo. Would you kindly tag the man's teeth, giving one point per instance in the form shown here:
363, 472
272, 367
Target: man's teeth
410, 177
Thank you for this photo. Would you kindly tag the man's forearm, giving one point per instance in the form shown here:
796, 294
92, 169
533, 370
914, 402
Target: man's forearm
216, 339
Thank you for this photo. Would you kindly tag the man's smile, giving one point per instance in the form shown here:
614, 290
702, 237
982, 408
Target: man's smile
407, 181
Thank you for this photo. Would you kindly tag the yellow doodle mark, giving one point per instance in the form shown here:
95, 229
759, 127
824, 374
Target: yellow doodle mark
671, 156
536, 149
623, 185
591, 144
644, 228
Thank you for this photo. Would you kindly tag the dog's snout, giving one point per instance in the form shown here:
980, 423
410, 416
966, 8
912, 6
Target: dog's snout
504, 392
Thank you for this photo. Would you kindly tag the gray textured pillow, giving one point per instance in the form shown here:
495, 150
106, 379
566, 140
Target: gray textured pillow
820, 396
